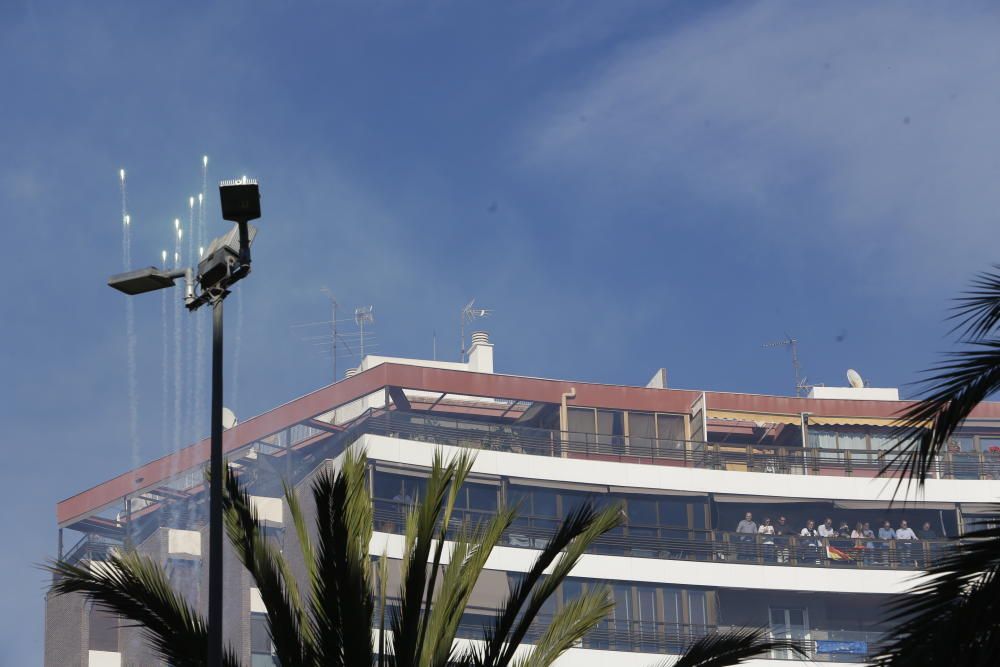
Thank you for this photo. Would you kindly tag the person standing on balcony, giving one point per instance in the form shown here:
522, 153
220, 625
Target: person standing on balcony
905, 535
811, 543
766, 531
746, 532
928, 535
781, 542
886, 534
827, 529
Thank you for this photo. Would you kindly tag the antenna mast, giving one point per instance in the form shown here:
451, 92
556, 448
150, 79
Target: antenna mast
362, 315
333, 327
793, 345
468, 315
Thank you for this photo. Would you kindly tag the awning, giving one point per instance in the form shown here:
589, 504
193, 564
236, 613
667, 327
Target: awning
762, 500
656, 492
850, 421
881, 505
754, 417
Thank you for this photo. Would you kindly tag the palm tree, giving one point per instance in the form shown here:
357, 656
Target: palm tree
952, 616
331, 624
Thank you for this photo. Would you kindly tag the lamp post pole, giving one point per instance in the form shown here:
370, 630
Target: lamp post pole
215, 495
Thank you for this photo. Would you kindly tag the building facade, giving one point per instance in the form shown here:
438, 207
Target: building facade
719, 492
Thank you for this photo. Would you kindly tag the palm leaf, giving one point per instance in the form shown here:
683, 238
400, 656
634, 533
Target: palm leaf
953, 387
951, 616
406, 618
977, 313
731, 648
135, 587
568, 626
287, 621
952, 392
469, 554
575, 534
342, 606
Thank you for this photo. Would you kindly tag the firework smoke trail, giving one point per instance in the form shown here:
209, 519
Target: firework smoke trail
189, 426
133, 391
165, 444
178, 237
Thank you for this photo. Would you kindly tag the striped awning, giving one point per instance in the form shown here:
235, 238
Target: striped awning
756, 417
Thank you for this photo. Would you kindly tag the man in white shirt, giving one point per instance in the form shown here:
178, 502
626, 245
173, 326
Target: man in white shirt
810, 545
827, 529
905, 535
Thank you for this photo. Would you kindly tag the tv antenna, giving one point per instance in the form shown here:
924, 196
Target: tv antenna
793, 345
335, 342
361, 315
469, 314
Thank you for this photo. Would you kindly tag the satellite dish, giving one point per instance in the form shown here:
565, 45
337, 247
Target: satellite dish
855, 379
228, 419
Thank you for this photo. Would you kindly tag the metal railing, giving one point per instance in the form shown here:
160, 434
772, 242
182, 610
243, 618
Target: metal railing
678, 543
680, 453
675, 638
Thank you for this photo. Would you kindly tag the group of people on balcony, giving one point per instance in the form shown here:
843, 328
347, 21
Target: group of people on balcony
828, 543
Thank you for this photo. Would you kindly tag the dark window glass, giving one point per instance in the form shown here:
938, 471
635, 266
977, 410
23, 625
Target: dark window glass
385, 485
260, 640
482, 497
641, 511
543, 503
673, 513
697, 608
103, 630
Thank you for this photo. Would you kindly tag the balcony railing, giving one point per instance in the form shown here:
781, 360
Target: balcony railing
678, 543
674, 638
676, 453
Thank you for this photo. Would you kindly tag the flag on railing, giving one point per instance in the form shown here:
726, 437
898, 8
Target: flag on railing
833, 553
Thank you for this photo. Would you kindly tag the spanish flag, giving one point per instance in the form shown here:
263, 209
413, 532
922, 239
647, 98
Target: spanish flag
833, 553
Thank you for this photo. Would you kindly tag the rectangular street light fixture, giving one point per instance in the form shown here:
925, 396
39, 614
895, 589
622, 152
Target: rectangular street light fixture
240, 200
145, 280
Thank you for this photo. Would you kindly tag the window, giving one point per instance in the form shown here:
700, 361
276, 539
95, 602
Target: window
611, 427
185, 577
670, 427
261, 650
103, 630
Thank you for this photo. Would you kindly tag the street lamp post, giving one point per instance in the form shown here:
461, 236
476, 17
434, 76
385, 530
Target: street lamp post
226, 261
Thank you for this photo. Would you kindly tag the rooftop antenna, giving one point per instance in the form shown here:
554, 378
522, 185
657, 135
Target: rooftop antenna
469, 313
362, 315
792, 344
333, 326
854, 379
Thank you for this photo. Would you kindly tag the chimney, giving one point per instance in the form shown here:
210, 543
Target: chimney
481, 353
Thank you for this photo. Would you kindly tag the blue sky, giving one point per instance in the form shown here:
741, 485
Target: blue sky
628, 185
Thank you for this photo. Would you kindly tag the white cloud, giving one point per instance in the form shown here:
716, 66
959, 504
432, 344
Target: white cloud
874, 130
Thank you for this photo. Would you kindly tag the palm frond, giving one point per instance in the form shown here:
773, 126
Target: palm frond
977, 313
576, 533
951, 615
138, 589
287, 621
952, 392
406, 618
342, 606
568, 627
731, 648
459, 470
469, 554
